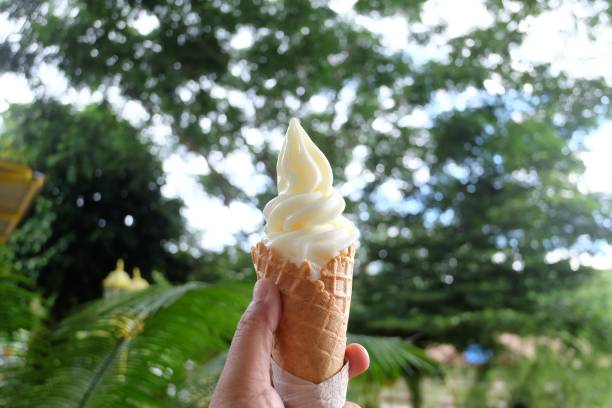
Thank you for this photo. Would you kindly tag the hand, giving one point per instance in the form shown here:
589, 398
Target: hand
245, 380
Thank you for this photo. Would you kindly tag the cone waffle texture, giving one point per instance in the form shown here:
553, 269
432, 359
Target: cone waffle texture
311, 337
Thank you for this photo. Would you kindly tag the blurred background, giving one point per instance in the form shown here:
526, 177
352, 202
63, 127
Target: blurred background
471, 139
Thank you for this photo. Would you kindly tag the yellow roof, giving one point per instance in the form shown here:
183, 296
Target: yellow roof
18, 186
138, 282
117, 279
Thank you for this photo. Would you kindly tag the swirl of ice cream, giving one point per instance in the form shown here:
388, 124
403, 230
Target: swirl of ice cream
305, 222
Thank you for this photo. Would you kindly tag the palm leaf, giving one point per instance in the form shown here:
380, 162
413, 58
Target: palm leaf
131, 351
18, 302
392, 358
164, 346
201, 381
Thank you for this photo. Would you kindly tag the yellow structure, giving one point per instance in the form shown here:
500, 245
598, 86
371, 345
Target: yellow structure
138, 282
18, 186
117, 281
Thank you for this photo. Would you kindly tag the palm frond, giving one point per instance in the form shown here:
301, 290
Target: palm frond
201, 380
164, 346
392, 358
18, 302
132, 350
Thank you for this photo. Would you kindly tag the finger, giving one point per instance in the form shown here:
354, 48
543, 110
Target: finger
350, 404
358, 359
252, 343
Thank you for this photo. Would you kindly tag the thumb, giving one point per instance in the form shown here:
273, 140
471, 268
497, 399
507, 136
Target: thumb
249, 354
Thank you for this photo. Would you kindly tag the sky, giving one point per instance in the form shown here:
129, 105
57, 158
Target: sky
551, 37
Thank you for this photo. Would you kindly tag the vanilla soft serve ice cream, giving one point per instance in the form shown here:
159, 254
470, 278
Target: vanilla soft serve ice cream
308, 251
305, 222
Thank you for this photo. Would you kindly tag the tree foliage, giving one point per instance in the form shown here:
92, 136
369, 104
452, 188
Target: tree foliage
101, 200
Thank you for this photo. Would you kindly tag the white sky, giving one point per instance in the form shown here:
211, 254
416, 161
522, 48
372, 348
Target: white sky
552, 37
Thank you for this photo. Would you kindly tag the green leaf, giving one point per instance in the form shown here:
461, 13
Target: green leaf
130, 350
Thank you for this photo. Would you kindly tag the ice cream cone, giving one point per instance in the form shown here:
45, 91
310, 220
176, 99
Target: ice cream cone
311, 337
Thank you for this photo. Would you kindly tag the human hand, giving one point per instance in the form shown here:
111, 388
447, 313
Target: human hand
245, 380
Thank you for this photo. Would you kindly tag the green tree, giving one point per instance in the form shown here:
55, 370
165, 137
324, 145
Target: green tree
473, 263
484, 192
101, 201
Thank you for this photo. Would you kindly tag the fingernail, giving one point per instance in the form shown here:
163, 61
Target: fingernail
261, 290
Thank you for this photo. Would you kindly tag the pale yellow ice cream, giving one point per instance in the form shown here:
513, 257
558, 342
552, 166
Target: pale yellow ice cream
305, 222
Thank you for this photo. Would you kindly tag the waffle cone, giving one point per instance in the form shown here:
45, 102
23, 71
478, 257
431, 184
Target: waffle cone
311, 337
